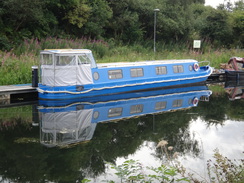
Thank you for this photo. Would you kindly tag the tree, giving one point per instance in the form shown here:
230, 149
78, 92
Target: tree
99, 18
70, 14
26, 18
217, 28
238, 23
125, 24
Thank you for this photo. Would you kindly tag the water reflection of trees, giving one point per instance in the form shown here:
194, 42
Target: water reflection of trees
219, 109
176, 132
11, 117
28, 161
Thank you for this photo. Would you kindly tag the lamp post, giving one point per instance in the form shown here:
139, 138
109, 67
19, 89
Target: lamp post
155, 22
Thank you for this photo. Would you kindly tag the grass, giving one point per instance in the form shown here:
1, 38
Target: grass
16, 69
15, 65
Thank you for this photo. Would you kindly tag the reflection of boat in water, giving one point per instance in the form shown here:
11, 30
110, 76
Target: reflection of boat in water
236, 93
66, 122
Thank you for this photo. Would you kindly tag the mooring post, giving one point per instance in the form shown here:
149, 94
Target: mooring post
34, 76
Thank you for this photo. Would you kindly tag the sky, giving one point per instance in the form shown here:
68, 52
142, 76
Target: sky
215, 3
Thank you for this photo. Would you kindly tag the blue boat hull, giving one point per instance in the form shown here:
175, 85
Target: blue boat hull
60, 93
125, 96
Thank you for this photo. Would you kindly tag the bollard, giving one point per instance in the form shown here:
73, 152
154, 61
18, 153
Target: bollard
34, 76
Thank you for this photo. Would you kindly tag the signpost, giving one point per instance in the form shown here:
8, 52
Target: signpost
197, 44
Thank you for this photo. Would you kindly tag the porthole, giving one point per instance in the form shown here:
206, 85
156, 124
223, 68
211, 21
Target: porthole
95, 115
95, 75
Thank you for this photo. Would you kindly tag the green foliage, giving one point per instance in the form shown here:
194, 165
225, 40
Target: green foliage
130, 170
24, 20
133, 171
98, 19
216, 27
220, 170
166, 174
224, 169
85, 181
238, 27
16, 70
127, 21
78, 15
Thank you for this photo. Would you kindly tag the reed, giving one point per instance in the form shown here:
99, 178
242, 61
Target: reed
15, 65
16, 69
214, 56
34, 46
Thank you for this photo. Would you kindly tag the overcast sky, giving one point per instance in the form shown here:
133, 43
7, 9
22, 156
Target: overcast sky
215, 3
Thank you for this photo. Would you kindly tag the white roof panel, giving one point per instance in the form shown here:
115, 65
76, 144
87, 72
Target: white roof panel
66, 51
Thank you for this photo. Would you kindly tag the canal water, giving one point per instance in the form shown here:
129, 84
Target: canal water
67, 141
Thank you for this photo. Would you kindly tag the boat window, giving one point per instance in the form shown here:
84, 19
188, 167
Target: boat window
161, 70
47, 59
96, 75
113, 112
138, 72
177, 103
190, 101
65, 60
83, 59
136, 108
160, 105
95, 115
178, 68
115, 74
190, 68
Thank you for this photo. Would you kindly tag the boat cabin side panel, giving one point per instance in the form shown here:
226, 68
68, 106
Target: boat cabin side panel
142, 73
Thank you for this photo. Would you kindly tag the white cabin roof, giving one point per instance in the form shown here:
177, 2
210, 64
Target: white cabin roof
66, 51
142, 63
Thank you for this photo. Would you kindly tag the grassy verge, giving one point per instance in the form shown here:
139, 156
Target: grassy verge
15, 66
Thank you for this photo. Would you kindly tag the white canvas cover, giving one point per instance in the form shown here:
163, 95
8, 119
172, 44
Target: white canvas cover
66, 75
67, 127
66, 67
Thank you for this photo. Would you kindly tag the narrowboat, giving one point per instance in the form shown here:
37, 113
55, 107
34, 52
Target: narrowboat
74, 73
65, 122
